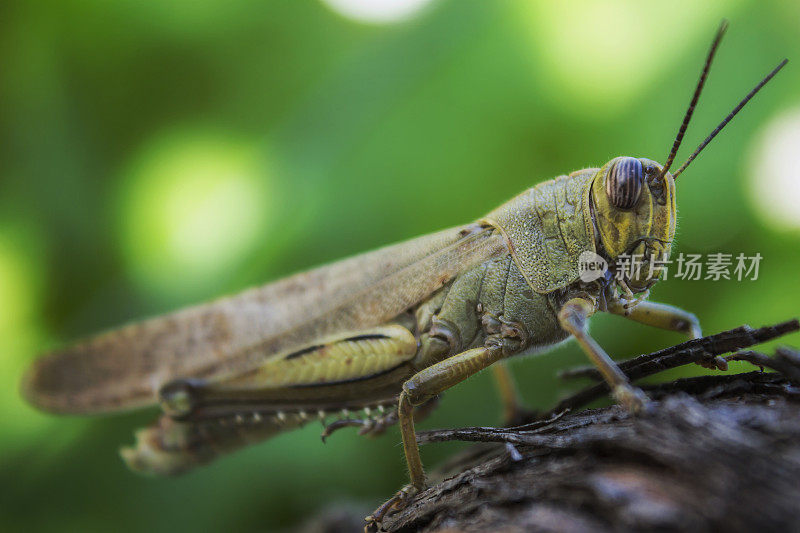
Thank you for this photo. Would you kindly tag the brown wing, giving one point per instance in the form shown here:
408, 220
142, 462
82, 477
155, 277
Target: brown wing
124, 368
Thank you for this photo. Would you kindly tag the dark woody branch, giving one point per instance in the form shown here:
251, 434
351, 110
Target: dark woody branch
714, 452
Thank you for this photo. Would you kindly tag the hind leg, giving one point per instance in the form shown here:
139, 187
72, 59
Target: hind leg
416, 391
374, 424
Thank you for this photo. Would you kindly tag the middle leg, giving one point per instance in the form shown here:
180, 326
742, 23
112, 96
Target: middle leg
513, 410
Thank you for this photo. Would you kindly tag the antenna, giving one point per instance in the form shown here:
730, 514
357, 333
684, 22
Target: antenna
700, 83
730, 116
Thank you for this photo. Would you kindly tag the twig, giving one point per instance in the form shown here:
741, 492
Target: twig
785, 361
559, 433
699, 349
693, 351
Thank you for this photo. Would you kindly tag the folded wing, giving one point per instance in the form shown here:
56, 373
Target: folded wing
124, 368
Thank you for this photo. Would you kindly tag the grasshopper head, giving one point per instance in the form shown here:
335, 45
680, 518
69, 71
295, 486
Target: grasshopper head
634, 211
633, 199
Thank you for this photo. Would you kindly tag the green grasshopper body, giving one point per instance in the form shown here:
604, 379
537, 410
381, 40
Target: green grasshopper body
364, 327
511, 275
386, 332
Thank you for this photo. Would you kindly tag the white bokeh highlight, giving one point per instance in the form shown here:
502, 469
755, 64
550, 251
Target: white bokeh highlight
193, 205
774, 171
376, 11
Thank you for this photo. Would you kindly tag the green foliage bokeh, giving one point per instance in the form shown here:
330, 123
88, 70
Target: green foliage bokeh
154, 155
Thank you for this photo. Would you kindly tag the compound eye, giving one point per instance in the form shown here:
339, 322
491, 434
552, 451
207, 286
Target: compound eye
624, 182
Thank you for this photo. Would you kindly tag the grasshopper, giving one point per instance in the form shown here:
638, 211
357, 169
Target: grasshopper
386, 332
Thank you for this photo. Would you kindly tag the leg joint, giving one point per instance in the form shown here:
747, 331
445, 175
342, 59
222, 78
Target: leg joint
179, 398
413, 394
574, 314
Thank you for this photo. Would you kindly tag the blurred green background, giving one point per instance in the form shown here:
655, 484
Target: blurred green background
157, 154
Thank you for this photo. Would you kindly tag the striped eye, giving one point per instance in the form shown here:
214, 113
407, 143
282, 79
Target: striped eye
624, 182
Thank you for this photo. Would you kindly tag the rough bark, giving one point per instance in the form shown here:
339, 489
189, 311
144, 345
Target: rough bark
711, 453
